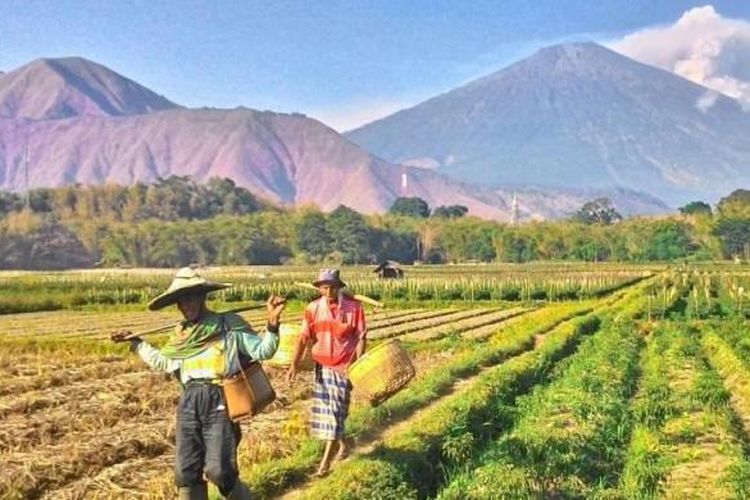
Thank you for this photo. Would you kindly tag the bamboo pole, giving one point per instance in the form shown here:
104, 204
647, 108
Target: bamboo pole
172, 325
361, 298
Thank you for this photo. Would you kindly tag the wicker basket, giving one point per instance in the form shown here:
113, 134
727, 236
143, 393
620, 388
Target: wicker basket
248, 392
381, 372
288, 337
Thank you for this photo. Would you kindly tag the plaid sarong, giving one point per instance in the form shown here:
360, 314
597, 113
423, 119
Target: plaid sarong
330, 403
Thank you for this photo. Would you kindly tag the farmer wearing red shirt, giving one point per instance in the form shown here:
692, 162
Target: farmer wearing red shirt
335, 325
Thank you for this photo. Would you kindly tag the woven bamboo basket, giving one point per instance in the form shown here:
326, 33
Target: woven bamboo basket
381, 372
288, 337
248, 392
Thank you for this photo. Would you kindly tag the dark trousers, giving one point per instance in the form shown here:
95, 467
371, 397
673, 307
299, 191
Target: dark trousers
206, 439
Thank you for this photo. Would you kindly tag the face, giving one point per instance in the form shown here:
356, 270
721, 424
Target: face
328, 290
192, 306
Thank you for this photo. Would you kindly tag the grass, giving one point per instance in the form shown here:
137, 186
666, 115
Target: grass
568, 438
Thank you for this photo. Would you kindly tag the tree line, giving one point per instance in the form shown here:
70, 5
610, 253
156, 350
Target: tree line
177, 221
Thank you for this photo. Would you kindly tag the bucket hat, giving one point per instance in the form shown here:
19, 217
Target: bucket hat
186, 282
329, 276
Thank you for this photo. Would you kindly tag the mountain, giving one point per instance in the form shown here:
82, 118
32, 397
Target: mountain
288, 159
83, 123
67, 87
573, 116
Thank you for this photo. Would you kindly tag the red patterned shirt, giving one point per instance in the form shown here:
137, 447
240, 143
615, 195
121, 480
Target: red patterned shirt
335, 328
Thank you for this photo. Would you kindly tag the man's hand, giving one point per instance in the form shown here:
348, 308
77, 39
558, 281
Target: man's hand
291, 373
360, 350
275, 305
121, 336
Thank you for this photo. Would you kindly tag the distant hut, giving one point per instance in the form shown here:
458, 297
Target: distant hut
389, 269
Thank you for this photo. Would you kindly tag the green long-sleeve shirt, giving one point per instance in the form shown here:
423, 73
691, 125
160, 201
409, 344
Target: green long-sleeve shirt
221, 358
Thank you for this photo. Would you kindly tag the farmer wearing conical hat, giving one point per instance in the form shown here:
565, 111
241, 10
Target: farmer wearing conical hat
335, 325
205, 348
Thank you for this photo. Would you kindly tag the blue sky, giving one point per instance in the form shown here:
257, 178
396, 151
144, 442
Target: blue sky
342, 61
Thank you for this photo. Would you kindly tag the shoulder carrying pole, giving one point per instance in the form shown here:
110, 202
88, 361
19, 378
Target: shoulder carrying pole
361, 298
172, 325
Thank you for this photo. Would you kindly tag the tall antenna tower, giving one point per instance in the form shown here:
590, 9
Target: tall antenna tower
514, 210
404, 184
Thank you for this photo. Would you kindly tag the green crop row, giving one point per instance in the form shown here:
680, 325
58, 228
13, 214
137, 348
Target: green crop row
685, 438
411, 463
733, 369
734, 332
569, 434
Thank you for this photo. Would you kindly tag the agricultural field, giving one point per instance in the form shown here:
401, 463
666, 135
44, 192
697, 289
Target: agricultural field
533, 381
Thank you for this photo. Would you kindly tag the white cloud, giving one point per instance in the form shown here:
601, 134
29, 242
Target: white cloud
351, 115
702, 46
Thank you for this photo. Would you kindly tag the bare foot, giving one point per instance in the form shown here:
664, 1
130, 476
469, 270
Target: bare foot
342, 453
322, 471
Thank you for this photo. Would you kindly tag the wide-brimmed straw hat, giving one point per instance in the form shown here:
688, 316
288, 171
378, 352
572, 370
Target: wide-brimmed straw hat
186, 282
329, 277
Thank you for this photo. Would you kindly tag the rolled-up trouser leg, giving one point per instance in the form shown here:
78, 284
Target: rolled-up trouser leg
194, 492
190, 448
240, 492
221, 437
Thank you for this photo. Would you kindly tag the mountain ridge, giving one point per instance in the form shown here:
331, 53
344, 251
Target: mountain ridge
59, 88
569, 114
288, 159
113, 136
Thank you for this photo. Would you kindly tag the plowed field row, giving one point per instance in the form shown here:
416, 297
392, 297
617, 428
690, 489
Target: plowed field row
75, 324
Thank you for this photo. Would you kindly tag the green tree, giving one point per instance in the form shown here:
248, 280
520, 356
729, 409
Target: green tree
551, 238
669, 240
134, 207
170, 248
599, 211
177, 193
734, 234
516, 247
9, 202
736, 205
350, 235
590, 250
311, 235
450, 211
205, 240
269, 238
393, 245
40, 200
223, 196
467, 239
412, 207
696, 208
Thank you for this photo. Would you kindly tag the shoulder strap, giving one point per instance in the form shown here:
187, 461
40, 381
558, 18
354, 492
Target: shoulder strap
243, 358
